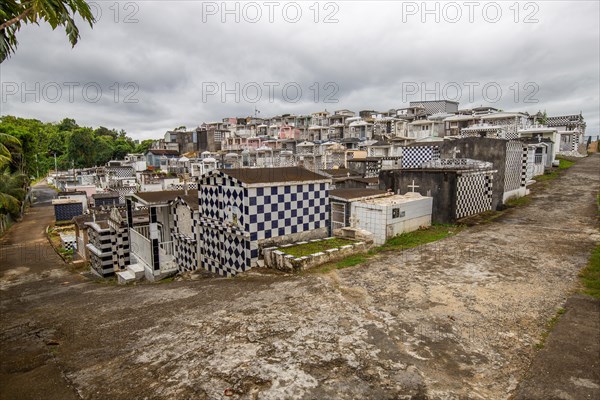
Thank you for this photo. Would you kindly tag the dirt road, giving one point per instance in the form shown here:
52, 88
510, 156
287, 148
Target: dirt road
454, 319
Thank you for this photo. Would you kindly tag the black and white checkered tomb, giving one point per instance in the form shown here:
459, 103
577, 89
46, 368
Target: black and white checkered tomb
234, 217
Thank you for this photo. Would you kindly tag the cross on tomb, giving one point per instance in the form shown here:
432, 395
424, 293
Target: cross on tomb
454, 152
413, 186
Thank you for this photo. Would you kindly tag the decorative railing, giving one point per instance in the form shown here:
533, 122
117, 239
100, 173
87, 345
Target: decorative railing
166, 248
141, 246
143, 230
166, 254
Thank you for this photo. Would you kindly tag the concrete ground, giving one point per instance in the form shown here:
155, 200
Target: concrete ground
454, 319
568, 367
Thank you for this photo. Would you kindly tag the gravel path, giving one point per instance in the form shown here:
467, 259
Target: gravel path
458, 318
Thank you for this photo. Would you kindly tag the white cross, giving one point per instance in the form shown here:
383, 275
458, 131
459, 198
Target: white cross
413, 186
454, 152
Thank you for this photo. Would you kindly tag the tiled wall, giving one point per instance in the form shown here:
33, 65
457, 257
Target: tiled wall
415, 156
65, 212
473, 193
234, 219
185, 225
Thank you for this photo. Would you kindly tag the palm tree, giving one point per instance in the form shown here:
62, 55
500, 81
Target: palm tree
14, 13
12, 192
5, 154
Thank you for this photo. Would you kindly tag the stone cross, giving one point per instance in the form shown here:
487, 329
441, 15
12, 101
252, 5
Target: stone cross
413, 186
454, 152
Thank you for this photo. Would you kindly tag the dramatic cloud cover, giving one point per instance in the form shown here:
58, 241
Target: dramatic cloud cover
149, 66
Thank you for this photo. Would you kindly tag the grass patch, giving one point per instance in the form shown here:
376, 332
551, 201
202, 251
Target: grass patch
401, 242
309, 248
109, 281
555, 173
564, 163
419, 237
590, 275
518, 201
549, 326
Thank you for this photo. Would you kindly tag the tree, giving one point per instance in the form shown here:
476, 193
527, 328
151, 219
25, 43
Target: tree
143, 147
81, 149
57, 13
12, 192
5, 141
102, 131
122, 147
103, 150
67, 124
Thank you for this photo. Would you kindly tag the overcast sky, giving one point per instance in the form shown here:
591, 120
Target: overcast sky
163, 64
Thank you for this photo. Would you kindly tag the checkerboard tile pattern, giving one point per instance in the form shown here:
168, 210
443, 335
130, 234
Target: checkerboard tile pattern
415, 156
283, 210
575, 142
119, 239
185, 232
512, 132
66, 212
70, 245
514, 166
123, 191
523, 166
234, 218
473, 193
120, 172
186, 253
179, 186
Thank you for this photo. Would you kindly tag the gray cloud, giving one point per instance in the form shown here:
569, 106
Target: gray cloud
372, 55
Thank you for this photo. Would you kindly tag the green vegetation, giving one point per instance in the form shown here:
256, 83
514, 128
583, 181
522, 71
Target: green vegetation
555, 173
549, 326
396, 244
419, 237
518, 201
66, 255
12, 191
73, 145
28, 148
56, 13
309, 248
590, 275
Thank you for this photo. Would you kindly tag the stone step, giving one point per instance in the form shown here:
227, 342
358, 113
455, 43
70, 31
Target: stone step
137, 270
125, 277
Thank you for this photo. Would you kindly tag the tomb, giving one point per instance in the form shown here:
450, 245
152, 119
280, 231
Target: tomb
459, 187
244, 210
391, 215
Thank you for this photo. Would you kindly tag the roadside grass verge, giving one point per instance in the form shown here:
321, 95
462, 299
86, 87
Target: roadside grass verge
52, 233
590, 275
548, 328
556, 172
396, 244
518, 201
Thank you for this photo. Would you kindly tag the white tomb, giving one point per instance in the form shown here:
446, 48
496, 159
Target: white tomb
386, 217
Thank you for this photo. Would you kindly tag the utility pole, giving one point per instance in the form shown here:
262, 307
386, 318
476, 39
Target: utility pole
55, 166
